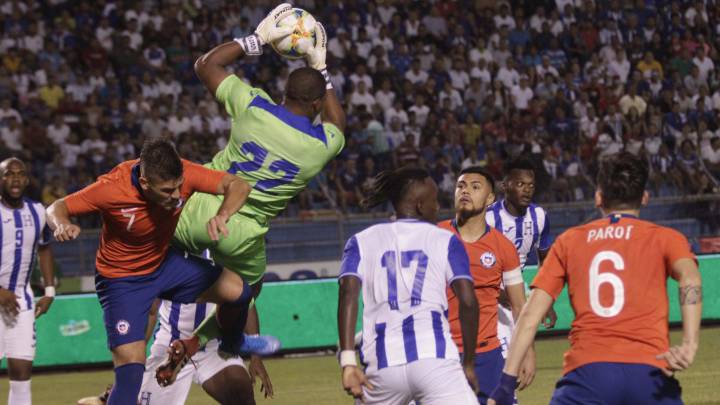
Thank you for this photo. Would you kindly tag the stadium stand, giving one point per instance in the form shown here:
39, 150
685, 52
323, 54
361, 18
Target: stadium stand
441, 84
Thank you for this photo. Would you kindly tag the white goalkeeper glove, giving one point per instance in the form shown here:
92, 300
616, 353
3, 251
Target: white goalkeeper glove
316, 56
267, 31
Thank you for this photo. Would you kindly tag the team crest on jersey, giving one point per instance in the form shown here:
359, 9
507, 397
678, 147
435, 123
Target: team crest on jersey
123, 327
487, 259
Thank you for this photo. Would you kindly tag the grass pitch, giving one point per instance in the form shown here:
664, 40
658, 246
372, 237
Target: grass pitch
316, 380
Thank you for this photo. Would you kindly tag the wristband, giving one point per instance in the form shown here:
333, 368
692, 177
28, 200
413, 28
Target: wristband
504, 393
250, 44
50, 291
347, 358
326, 75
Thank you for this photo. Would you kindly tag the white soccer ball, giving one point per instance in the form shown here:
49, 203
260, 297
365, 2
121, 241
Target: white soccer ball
297, 44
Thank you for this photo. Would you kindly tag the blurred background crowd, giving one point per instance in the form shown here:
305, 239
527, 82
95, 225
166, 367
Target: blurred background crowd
442, 84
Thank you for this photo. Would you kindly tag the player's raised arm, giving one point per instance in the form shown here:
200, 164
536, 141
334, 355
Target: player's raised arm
681, 356
332, 110
210, 67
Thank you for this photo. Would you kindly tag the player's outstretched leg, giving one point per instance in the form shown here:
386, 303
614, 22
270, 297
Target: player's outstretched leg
230, 319
181, 351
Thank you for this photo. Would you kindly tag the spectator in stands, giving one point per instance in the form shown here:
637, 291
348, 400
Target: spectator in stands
347, 183
711, 156
490, 79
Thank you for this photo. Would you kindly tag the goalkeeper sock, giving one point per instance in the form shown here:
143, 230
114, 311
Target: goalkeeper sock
20, 393
210, 328
232, 318
128, 380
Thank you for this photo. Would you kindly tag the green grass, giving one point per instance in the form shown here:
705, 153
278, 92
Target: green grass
316, 380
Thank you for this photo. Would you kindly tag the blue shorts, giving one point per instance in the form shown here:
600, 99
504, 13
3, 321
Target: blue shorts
126, 301
488, 369
616, 384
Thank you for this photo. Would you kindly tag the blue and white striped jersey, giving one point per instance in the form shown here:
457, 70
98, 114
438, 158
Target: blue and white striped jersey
405, 268
178, 321
529, 232
21, 231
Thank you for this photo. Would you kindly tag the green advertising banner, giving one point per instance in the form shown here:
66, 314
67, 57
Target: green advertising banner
302, 314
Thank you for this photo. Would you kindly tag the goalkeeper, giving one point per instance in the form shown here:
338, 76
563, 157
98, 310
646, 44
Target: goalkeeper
276, 148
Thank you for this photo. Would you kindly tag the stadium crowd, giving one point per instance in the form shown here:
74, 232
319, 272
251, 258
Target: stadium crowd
442, 84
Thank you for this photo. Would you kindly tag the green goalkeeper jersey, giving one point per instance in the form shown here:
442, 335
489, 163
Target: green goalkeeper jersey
274, 150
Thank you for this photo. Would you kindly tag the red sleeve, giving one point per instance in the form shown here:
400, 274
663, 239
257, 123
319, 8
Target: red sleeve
92, 198
676, 247
551, 277
202, 179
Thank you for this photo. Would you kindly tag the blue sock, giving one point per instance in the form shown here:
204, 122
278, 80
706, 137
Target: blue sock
232, 340
128, 380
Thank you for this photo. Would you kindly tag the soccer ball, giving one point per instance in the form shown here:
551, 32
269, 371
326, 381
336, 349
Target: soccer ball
297, 44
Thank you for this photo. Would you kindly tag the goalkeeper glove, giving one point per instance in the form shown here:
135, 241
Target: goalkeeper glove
317, 55
267, 31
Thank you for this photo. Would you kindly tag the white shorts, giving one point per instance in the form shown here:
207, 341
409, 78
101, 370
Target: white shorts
505, 328
17, 336
428, 381
208, 363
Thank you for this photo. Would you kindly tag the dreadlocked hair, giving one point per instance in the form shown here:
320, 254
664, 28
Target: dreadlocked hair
391, 185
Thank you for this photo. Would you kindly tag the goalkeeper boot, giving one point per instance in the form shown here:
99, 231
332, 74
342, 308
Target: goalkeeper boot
261, 345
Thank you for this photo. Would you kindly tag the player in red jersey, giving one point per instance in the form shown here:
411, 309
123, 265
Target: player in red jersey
493, 260
616, 269
140, 202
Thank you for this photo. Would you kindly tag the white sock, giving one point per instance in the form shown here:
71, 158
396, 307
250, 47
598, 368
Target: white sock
19, 393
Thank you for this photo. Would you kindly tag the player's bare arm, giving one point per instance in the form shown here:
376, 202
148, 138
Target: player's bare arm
257, 368
551, 317
681, 356
516, 296
235, 192
210, 67
47, 270
353, 379
8, 303
332, 111
468, 312
58, 219
530, 317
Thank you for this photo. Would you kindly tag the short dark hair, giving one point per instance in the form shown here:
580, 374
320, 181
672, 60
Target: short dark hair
479, 170
520, 163
622, 179
392, 185
305, 85
160, 160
